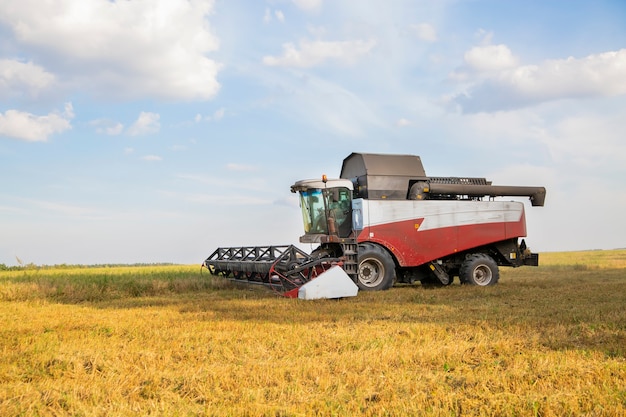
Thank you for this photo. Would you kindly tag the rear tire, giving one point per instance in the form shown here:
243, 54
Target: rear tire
376, 270
479, 269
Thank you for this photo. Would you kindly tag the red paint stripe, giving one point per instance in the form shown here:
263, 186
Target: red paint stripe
292, 293
413, 247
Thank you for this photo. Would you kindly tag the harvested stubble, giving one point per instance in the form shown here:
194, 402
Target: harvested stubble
547, 341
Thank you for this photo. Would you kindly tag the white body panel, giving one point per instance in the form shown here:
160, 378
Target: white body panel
436, 213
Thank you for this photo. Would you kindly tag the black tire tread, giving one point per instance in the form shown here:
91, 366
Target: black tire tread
474, 260
369, 249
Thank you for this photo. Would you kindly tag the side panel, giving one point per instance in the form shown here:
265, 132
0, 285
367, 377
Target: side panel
417, 232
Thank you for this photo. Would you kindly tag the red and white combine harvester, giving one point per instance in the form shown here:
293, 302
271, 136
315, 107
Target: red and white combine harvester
385, 221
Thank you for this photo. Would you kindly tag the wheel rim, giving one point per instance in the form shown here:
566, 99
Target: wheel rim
371, 272
482, 275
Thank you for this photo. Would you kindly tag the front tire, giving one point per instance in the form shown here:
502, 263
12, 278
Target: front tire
376, 271
479, 269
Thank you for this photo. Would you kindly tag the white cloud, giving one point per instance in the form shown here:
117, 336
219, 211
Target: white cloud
403, 122
576, 139
217, 115
17, 76
598, 75
107, 127
308, 5
146, 123
152, 158
312, 53
32, 128
595, 75
482, 62
485, 37
490, 58
588, 141
425, 32
155, 48
267, 16
68, 110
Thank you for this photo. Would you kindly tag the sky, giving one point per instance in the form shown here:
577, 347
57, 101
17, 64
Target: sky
146, 131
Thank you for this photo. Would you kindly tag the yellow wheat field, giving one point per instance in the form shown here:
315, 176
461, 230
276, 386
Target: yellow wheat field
167, 341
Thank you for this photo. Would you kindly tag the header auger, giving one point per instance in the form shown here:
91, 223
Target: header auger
385, 221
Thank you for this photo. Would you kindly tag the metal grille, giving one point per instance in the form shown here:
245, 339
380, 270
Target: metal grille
459, 180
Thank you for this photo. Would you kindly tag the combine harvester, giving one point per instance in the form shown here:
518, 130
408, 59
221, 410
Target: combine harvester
385, 221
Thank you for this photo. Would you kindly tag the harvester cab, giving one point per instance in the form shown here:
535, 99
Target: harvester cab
326, 209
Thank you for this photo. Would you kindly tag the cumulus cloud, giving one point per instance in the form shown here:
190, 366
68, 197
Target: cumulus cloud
517, 86
17, 77
154, 48
484, 61
31, 128
490, 58
145, 124
312, 53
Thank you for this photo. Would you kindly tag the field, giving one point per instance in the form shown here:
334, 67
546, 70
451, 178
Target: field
166, 340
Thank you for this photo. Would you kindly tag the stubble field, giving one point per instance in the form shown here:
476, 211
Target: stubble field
546, 341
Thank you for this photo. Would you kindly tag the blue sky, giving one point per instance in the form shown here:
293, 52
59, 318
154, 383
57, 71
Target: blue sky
158, 130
